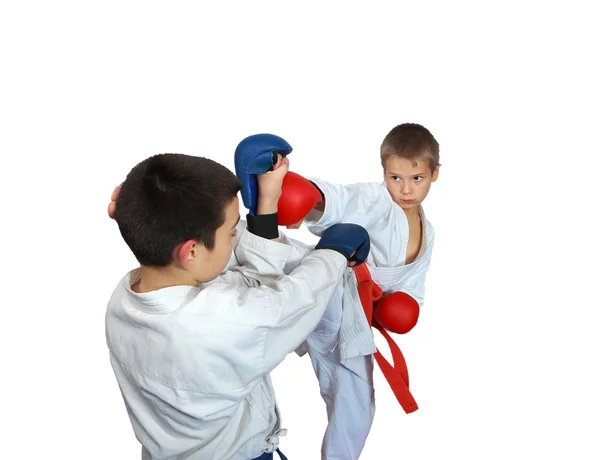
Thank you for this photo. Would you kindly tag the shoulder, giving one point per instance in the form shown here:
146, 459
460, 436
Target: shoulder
235, 303
123, 288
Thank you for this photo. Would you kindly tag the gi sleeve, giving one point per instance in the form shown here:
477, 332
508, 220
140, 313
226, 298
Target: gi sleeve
363, 204
283, 310
414, 285
258, 260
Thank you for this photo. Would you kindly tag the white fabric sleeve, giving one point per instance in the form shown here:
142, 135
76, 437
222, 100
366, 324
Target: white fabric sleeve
298, 252
254, 260
295, 303
299, 249
414, 285
233, 261
363, 204
283, 310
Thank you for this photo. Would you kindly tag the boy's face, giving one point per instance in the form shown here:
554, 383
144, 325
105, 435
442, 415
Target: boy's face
408, 184
214, 261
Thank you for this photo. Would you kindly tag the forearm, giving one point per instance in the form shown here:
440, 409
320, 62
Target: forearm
299, 251
320, 206
308, 290
261, 259
264, 223
257, 256
362, 204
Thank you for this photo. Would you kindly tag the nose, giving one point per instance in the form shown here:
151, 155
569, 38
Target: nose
406, 188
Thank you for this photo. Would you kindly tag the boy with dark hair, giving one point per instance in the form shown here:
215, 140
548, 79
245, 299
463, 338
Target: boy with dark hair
192, 349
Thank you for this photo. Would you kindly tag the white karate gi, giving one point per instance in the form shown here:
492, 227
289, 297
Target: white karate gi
193, 363
341, 346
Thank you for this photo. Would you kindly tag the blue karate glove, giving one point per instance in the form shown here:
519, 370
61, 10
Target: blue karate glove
347, 239
256, 155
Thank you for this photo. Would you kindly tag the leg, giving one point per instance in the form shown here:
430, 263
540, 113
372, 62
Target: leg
349, 399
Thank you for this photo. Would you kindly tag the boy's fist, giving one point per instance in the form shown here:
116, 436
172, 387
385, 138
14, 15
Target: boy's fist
350, 240
397, 312
298, 197
269, 186
257, 155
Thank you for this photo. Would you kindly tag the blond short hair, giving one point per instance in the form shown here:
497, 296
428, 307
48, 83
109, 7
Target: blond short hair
413, 142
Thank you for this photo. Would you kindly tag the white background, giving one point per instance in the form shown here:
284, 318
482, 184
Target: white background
504, 360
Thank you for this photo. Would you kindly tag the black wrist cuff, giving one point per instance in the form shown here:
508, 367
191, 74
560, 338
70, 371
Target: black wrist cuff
264, 225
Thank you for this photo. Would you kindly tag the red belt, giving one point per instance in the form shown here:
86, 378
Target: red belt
396, 375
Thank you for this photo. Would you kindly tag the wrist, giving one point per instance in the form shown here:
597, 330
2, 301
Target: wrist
264, 225
320, 206
267, 205
318, 189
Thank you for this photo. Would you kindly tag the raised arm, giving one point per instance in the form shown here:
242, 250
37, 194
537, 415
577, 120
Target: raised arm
365, 204
284, 310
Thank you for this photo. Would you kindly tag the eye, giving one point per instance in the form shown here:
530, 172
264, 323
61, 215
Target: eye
418, 178
234, 234
395, 178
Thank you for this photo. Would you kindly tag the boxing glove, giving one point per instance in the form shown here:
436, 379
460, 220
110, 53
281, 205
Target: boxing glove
254, 155
397, 312
298, 197
350, 240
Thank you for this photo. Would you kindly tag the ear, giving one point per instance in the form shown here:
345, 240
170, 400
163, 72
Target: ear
186, 253
435, 174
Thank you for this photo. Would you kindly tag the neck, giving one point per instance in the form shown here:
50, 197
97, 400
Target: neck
155, 278
412, 212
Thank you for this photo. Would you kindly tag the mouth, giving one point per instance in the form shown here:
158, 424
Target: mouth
407, 201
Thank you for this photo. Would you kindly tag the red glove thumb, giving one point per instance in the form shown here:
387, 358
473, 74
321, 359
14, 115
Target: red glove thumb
298, 197
397, 312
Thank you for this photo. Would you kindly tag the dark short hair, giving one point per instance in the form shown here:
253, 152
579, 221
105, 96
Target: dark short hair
411, 142
170, 198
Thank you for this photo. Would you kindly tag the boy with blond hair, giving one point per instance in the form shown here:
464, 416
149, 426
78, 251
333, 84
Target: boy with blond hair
342, 346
